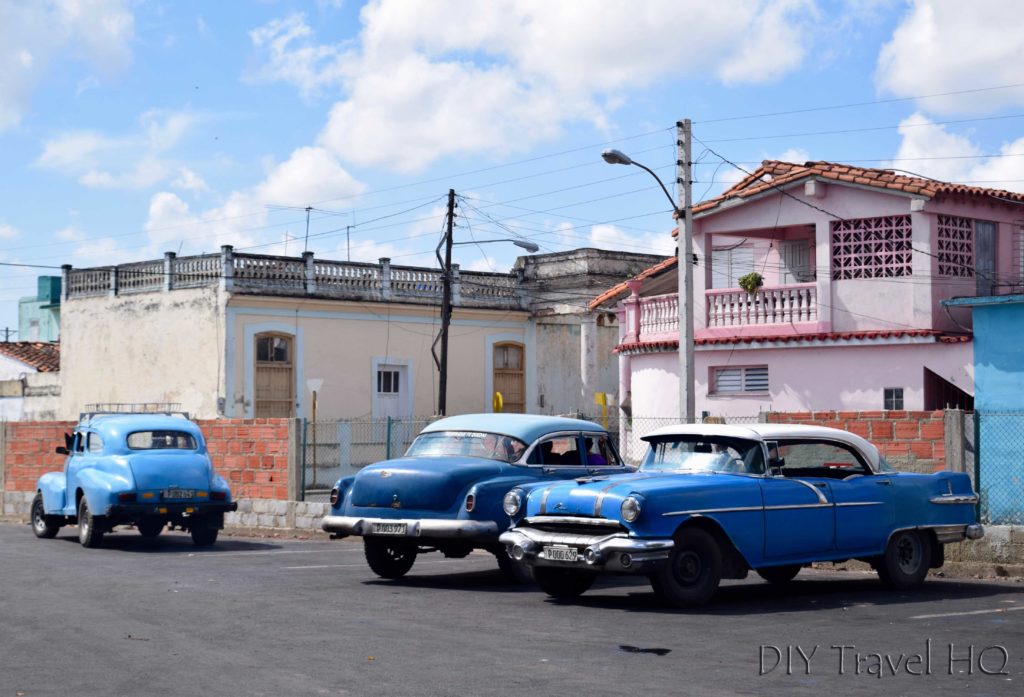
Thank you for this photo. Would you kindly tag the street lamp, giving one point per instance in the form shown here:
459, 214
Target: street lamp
683, 213
446, 297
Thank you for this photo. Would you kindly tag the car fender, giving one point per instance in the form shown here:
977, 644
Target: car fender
101, 488
490, 494
342, 485
53, 487
218, 483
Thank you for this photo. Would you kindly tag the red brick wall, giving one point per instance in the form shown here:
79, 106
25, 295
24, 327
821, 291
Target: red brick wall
252, 454
912, 440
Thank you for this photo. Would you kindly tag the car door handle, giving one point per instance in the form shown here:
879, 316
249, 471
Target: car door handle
821, 485
883, 482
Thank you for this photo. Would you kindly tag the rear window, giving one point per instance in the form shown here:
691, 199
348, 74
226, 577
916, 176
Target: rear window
161, 440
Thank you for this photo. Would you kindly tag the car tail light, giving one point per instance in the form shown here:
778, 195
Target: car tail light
218, 496
127, 497
470, 503
334, 496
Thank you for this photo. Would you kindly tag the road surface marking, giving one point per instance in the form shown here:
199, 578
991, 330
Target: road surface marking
964, 614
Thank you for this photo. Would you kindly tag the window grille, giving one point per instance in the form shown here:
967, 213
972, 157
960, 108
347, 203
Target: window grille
956, 246
741, 380
871, 247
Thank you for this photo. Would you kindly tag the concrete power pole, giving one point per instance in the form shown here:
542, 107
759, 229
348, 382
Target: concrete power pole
446, 307
684, 246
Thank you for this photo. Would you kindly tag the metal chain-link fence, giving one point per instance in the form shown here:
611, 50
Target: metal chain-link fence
999, 469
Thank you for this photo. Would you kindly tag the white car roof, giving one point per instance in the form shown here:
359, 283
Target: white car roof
767, 432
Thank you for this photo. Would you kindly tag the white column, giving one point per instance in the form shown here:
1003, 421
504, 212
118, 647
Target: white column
588, 359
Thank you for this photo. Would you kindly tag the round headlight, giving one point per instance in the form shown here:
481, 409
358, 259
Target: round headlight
630, 509
512, 501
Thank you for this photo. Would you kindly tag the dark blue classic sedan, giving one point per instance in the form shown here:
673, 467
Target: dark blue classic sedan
712, 502
446, 494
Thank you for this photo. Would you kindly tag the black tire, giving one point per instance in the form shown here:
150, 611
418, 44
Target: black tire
563, 583
150, 528
42, 524
906, 560
389, 558
513, 571
779, 574
203, 536
90, 529
693, 572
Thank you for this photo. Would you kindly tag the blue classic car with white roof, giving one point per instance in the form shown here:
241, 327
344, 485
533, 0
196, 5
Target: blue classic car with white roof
145, 470
446, 493
714, 501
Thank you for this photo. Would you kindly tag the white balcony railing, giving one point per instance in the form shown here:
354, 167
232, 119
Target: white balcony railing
769, 305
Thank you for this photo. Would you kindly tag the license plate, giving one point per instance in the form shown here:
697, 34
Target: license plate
560, 553
180, 494
389, 528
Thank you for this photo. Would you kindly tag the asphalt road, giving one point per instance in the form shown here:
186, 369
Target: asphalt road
291, 617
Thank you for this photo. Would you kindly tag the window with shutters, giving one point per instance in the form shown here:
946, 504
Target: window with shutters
509, 377
728, 264
274, 376
739, 380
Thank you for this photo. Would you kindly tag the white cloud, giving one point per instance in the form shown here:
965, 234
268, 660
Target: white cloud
945, 46
187, 180
512, 73
932, 151
33, 34
8, 232
133, 161
607, 236
308, 176
70, 234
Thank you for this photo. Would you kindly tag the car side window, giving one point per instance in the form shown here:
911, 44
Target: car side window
816, 459
560, 450
598, 451
94, 443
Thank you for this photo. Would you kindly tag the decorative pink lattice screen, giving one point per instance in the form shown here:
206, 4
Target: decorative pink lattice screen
956, 246
871, 247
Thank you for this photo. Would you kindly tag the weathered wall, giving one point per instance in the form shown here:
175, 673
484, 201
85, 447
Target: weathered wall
338, 342
150, 347
803, 379
559, 382
910, 441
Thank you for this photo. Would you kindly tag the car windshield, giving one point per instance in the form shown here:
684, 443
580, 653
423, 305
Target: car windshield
492, 446
161, 440
700, 453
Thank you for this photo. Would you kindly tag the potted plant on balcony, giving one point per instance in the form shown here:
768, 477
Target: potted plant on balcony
751, 282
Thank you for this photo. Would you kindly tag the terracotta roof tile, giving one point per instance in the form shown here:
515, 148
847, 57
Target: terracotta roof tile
43, 356
672, 344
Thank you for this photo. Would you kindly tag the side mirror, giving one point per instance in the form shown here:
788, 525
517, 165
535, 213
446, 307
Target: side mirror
61, 450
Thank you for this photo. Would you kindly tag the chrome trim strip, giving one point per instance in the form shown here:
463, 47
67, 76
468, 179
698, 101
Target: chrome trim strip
600, 497
791, 506
817, 492
430, 527
574, 520
737, 509
864, 503
954, 499
544, 498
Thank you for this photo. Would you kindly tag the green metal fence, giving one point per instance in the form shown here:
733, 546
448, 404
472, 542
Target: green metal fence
334, 449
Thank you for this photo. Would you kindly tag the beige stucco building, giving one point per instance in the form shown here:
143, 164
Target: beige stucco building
246, 336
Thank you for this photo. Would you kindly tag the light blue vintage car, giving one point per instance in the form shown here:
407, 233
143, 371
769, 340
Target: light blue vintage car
714, 501
146, 470
446, 493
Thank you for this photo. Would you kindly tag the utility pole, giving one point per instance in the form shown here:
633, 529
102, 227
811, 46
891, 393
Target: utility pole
305, 245
684, 247
446, 307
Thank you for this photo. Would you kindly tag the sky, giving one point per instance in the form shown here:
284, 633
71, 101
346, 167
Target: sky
129, 128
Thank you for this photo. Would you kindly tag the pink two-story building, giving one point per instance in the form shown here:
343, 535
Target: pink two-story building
853, 263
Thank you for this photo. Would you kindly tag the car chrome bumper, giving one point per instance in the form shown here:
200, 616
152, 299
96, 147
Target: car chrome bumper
947, 534
616, 552
343, 526
138, 510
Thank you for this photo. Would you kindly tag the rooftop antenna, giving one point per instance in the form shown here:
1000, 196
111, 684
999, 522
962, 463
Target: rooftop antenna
305, 245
